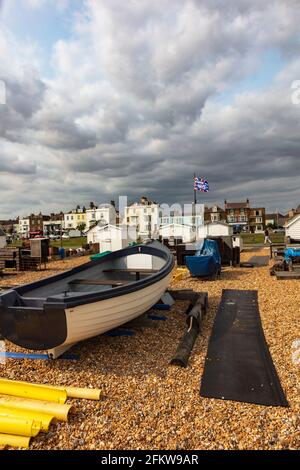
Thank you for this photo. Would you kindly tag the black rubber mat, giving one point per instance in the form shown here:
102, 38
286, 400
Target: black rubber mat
238, 365
259, 260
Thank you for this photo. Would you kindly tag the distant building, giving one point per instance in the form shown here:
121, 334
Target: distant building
292, 212
182, 220
257, 219
54, 226
177, 233
145, 217
215, 214
24, 227
241, 214
275, 220
10, 226
109, 237
74, 218
2, 239
214, 229
36, 223
238, 213
105, 214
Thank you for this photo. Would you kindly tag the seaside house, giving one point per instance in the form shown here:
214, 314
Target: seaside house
145, 217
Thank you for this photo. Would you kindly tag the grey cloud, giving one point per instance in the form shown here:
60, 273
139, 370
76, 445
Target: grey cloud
132, 108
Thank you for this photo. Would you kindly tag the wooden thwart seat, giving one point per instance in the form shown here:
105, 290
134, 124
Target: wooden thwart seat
137, 271
100, 282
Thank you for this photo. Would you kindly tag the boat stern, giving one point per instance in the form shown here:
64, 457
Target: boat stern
31, 323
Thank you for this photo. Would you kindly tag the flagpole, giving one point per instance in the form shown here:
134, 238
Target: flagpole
195, 202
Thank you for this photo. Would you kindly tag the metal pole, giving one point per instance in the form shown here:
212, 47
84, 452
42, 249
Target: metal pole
61, 243
195, 202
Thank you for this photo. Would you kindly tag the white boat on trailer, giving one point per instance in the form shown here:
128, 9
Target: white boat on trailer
55, 313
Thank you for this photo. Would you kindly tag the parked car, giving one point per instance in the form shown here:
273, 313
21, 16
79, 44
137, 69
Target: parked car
54, 237
279, 230
65, 236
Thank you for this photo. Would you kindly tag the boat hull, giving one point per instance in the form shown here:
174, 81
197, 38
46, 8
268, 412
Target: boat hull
87, 321
54, 323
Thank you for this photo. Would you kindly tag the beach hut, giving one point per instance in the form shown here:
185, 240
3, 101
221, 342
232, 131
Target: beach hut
2, 239
109, 237
292, 229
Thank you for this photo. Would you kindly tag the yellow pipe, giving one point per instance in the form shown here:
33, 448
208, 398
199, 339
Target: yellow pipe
19, 426
72, 392
57, 410
43, 418
14, 441
27, 390
87, 393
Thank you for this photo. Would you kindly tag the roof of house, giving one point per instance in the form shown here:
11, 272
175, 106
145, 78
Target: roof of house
176, 225
290, 222
2, 234
274, 216
237, 205
104, 227
209, 209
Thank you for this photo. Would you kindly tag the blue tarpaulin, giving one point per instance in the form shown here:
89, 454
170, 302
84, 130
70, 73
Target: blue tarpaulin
291, 253
207, 261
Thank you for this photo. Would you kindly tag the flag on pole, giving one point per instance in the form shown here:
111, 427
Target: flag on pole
200, 184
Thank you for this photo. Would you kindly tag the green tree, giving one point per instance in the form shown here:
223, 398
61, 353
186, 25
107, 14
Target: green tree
81, 227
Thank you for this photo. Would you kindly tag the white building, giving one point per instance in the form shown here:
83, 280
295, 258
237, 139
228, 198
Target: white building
105, 214
24, 227
2, 239
145, 217
173, 232
292, 228
110, 237
214, 229
182, 220
52, 227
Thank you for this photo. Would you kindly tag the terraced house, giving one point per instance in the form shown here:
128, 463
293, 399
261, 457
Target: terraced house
74, 218
250, 219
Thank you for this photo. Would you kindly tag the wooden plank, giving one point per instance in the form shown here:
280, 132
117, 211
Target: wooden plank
104, 282
137, 272
283, 275
133, 270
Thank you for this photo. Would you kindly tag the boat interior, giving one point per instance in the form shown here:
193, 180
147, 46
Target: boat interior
97, 276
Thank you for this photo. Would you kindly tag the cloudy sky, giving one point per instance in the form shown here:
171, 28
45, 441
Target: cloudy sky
132, 97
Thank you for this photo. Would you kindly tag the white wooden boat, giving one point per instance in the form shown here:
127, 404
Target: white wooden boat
57, 312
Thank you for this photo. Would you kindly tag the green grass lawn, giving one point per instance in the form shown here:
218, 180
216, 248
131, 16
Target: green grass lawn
72, 243
257, 238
